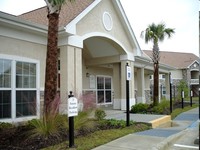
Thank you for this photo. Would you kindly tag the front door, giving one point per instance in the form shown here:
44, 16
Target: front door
104, 89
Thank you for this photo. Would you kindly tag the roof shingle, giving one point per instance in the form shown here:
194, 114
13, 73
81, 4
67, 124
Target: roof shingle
175, 59
69, 11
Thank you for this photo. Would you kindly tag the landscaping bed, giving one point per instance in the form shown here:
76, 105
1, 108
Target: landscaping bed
22, 137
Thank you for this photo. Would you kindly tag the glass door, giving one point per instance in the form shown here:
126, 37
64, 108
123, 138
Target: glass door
104, 90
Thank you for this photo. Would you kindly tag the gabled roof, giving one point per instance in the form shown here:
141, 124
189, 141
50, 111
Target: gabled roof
68, 12
71, 13
176, 59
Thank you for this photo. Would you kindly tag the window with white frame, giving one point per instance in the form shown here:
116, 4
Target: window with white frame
18, 88
104, 89
5, 88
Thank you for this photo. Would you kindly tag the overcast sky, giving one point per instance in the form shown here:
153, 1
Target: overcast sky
182, 15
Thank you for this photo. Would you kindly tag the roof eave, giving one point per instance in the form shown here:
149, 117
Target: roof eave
147, 60
21, 23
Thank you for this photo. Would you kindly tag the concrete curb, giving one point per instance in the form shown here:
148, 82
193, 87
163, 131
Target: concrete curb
160, 121
168, 141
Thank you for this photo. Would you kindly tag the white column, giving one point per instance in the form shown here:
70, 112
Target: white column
116, 87
70, 74
141, 85
167, 85
78, 71
132, 86
123, 85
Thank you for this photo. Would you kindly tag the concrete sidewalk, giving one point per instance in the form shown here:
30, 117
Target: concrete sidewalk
154, 139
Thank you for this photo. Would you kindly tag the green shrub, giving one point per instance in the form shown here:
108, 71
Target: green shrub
100, 114
182, 86
44, 127
114, 124
81, 119
4, 125
139, 108
162, 107
50, 123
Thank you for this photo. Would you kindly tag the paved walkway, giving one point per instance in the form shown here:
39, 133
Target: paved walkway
153, 139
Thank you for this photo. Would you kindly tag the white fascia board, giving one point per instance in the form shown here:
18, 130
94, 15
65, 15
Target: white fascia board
148, 64
143, 59
13, 27
75, 41
195, 61
165, 67
21, 23
128, 56
65, 38
129, 29
71, 27
20, 34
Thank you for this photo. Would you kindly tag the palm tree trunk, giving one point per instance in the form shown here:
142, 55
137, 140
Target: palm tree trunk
156, 84
51, 62
156, 58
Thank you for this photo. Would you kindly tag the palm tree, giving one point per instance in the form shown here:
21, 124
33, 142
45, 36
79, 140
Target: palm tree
156, 33
54, 8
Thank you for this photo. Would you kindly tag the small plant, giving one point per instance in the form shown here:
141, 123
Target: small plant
81, 119
182, 86
139, 108
49, 124
100, 114
113, 124
4, 125
162, 107
43, 127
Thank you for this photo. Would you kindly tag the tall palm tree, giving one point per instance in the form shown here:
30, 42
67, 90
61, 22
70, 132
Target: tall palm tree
54, 8
156, 33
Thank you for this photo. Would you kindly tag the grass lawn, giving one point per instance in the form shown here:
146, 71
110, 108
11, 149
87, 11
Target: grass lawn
99, 138
177, 111
194, 99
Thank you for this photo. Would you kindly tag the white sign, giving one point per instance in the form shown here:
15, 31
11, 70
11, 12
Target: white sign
183, 94
72, 107
191, 93
128, 73
92, 82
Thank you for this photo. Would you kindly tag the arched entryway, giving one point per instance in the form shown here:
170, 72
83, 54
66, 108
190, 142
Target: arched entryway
101, 65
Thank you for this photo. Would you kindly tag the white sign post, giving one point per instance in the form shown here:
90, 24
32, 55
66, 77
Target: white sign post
72, 107
72, 111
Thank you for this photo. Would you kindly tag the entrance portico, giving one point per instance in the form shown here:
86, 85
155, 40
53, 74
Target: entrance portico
104, 60
99, 44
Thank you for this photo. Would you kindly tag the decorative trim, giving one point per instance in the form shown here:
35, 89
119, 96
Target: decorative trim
107, 21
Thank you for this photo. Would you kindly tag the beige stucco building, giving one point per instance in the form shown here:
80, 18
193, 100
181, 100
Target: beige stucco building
186, 68
96, 42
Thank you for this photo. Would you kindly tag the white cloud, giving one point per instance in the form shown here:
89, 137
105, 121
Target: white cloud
179, 14
17, 7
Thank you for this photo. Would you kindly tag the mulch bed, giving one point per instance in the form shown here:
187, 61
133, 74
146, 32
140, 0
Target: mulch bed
19, 138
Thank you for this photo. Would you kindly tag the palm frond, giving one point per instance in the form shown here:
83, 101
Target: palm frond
156, 33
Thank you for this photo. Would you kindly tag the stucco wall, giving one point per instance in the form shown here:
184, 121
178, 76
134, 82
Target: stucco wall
20, 48
177, 74
96, 71
92, 23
